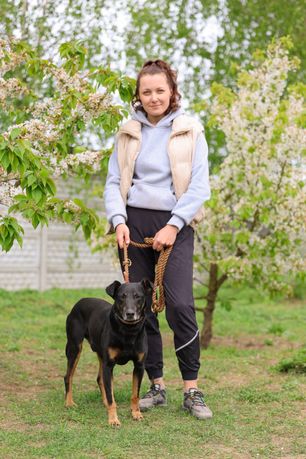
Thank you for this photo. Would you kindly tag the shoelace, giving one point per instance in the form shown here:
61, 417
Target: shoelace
197, 398
154, 389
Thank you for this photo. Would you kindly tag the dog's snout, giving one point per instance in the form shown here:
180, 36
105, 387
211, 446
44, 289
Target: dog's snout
130, 315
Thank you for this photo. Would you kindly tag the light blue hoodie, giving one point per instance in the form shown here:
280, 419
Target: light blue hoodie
152, 186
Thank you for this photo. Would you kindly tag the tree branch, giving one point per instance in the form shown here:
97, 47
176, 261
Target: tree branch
9, 178
200, 281
221, 280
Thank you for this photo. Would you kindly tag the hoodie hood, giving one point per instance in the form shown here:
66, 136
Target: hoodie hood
166, 121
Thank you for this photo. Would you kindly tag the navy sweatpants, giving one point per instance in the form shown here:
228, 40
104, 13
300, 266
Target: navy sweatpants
180, 312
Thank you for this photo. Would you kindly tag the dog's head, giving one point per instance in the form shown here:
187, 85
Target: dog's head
130, 298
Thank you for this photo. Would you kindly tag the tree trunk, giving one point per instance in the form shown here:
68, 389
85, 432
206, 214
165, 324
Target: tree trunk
206, 333
213, 287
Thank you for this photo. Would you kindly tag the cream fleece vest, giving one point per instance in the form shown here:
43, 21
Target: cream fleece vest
181, 147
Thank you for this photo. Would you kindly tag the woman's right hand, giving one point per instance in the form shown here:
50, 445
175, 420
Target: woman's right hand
122, 234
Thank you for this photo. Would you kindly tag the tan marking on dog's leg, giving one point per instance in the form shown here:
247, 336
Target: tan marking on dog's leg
112, 410
68, 399
113, 352
141, 356
100, 383
137, 416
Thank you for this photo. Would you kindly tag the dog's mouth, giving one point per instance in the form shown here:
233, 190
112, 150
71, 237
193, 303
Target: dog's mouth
129, 322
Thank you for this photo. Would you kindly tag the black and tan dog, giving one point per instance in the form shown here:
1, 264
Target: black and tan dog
116, 333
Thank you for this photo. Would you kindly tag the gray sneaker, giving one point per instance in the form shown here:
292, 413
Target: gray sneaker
154, 397
195, 404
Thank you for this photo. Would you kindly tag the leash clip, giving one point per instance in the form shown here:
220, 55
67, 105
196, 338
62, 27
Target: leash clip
127, 262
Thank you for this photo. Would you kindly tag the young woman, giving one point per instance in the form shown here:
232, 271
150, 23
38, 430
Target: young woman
157, 182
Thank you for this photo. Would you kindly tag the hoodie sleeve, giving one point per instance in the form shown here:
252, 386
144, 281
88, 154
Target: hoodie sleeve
114, 204
198, 190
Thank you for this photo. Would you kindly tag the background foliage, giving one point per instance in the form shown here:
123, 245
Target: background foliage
206, 40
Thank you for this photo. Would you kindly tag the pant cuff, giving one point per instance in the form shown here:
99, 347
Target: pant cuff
190, 376
154, 375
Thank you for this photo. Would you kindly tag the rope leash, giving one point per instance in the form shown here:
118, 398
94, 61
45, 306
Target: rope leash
158, 297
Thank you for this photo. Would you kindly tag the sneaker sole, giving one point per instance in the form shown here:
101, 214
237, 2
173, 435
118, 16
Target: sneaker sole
195, 416
148, 408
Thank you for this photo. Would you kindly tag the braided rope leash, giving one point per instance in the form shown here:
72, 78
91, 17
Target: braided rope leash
158, 297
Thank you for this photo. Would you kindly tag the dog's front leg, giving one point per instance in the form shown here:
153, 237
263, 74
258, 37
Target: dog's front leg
109, 392
137, 378
100, 382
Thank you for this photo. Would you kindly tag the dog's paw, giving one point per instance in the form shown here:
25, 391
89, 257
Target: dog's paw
137, 416
114, 422
70, 404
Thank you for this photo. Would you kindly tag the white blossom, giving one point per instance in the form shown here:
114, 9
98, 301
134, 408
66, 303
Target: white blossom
258, 210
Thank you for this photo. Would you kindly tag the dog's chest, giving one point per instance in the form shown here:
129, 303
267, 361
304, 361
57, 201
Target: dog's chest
121, 356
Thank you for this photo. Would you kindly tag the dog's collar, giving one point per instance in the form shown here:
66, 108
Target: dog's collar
128, 322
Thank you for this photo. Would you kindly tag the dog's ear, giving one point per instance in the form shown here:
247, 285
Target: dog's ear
112, 289
147, 285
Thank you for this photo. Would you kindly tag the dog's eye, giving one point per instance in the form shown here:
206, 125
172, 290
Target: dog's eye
136, 296
123, 296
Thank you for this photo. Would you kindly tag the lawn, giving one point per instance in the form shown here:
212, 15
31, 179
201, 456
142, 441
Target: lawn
258, 411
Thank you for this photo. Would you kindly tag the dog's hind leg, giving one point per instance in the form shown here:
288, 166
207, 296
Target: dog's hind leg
73, 353
100, 382
137, 378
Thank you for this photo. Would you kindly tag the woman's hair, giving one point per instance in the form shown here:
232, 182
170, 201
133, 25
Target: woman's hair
153, 68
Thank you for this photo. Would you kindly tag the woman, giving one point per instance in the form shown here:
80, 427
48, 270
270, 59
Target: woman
157, 182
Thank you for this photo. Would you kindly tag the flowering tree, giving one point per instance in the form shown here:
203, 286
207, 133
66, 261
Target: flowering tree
254, 221
51, 113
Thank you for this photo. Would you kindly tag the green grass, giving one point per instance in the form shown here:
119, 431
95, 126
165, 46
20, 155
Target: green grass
258, 411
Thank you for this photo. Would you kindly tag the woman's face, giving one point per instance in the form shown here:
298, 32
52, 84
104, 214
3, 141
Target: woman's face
154, 94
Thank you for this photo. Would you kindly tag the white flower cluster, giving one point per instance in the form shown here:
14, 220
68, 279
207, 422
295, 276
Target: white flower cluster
71, 206
257, 212
10, 88
89, 158
8, 59
67, 82
47, 108
40, 133
9, 187
73, 161
92, 107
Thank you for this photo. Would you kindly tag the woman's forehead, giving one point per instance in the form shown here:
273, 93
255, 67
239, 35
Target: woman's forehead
149, 81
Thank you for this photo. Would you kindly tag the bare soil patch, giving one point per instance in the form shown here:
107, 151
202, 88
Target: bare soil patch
251, 342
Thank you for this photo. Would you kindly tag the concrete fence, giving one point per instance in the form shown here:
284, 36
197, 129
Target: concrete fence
55, 256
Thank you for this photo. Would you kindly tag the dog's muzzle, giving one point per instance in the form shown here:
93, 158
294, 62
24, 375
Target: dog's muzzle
129, 322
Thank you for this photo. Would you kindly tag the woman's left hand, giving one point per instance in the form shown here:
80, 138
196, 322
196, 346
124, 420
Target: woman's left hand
165, 237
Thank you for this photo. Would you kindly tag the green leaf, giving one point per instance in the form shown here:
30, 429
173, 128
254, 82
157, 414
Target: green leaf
67, 217
37, 195
226, 304
35, 220
51, 186
79, 203
86, 231
15, 133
